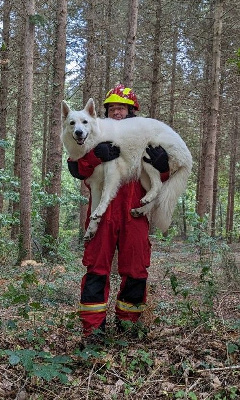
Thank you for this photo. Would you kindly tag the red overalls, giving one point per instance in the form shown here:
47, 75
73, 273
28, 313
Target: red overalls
117, 228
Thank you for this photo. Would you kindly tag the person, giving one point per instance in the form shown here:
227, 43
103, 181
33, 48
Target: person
117, 229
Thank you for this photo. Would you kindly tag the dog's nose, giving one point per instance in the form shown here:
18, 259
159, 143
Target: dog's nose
78, 133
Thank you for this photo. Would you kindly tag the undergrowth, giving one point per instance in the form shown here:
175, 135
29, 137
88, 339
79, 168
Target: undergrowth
184, 347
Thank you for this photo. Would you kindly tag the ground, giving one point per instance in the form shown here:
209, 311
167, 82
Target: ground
186, 346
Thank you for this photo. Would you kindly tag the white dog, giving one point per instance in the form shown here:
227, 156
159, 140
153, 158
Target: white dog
82, 131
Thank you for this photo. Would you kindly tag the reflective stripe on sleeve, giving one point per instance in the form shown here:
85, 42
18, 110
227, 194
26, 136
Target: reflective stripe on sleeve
93, 307
130, 307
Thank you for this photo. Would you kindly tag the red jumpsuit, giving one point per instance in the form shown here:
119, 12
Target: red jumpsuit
117, 228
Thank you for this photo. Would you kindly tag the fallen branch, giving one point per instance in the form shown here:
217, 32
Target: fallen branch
219, 368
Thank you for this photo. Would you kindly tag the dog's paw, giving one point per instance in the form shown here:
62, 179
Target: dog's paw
95, 217
144, 202
136, 213
88, 236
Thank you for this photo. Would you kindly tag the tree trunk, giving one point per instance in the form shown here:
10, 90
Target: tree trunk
108, 48
231, 184
55, 146
216, 169
205, 95
155, 91
129, 59
184, 219
89, 90
26, 135
206, 193
215, 195
173, 77
19, 123
46, 117
17, 148
4, 61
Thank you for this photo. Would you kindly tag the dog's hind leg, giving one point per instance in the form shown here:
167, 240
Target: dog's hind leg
155, 183
144, 210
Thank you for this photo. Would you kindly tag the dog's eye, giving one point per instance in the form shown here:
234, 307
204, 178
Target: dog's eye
85, 122
72, 122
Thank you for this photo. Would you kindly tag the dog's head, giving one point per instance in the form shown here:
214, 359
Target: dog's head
78, 123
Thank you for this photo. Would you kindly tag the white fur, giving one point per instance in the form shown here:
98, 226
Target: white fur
133, 137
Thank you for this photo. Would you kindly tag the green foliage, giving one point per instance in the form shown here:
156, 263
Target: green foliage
41, 364
181, 394
233, 347
9, 186
235, 60
138, 360
168, 238
37, 19
209, 253
19, 294
227, 394
4, 144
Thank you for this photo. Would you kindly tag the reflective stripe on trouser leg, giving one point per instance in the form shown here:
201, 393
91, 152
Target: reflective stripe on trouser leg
93, 305
128, 307
131, 299
93, 316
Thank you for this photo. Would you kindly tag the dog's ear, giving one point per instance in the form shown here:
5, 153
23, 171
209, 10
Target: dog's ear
90, 108
65, 109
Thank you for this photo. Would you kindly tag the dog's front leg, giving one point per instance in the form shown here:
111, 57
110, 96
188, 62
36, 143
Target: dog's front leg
112, 179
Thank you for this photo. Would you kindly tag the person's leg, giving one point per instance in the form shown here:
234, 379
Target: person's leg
131, 298
97, 258
93, 306
133, 261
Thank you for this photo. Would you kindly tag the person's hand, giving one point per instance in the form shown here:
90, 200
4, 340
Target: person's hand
106, 151
73, 169
158, 158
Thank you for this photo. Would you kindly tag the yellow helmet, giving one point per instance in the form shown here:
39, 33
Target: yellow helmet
120, 94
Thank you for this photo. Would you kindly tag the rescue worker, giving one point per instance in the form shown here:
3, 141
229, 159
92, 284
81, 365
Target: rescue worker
117, 229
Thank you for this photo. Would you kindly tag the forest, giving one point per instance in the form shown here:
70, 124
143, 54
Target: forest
182, 59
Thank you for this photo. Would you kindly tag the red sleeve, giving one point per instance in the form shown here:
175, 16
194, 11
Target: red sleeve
164, 176
87, 163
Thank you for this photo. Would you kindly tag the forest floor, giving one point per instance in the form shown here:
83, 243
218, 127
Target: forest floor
187, 345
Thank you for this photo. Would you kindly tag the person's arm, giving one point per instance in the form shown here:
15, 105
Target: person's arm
158, 158
84, 167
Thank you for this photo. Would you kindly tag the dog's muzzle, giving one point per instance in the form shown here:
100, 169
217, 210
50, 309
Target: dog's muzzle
79, 137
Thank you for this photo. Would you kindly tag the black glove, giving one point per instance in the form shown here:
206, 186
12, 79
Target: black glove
73, 169
106, 151
158, 158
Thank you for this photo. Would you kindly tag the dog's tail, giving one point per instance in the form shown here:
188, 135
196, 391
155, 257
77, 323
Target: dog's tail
172, 189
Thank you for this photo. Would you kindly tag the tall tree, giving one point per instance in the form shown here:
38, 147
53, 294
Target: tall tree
206, 190
108, 48
173, 76
129, 59
46, 116
90, 89
26, 134
156, 64
19, 129
232, 178
4, 61
19, 120
54, 162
